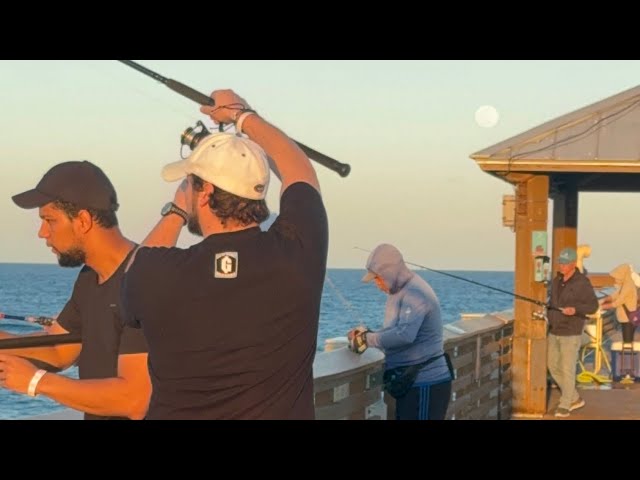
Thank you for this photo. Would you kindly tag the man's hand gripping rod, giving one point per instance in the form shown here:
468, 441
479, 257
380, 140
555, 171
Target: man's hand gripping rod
342, 169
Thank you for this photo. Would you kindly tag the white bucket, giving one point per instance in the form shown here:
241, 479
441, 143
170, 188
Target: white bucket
589, 334
332, 344
617, 346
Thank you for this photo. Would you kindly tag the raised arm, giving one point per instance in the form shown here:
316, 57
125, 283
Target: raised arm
289, 162
168, 228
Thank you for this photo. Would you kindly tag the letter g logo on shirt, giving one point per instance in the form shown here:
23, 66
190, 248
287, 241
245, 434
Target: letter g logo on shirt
226, 265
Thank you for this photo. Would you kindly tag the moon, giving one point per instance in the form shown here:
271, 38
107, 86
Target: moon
487, 116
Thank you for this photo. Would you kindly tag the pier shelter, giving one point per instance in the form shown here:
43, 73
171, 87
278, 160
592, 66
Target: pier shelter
593, 149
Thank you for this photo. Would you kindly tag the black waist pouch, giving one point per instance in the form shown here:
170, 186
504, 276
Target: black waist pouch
398, 381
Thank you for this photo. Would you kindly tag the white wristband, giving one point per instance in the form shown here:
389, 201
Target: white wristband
243, 116
33, 384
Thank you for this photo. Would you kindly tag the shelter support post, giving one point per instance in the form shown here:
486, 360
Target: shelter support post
529, 364
565, 220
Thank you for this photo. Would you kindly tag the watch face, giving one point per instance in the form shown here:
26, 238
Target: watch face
166, 209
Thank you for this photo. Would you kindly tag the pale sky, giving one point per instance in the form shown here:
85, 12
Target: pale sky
407, 128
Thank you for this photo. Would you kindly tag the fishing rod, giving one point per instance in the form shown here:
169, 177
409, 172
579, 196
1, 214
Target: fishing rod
39, 341
342, 169
44, 321
519, 297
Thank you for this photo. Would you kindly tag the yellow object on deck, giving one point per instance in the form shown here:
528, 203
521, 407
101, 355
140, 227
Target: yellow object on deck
600, 356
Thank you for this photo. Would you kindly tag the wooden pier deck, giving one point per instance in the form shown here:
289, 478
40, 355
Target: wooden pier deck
614, 402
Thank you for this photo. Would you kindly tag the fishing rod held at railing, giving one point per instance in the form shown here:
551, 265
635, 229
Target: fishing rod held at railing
507, 292
340, 168
39, 341
44, 321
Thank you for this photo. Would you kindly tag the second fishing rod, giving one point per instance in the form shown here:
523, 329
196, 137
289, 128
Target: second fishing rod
506, 292
39, 320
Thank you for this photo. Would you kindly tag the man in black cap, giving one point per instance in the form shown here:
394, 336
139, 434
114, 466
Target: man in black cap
77, 204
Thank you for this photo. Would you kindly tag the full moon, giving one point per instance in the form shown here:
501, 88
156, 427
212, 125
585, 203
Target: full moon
487, 116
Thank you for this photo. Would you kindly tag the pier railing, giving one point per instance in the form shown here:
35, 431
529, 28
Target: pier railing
348, 386
480, 351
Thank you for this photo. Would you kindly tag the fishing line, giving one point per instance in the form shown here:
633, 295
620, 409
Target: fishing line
519, 297
143, 92
344, 301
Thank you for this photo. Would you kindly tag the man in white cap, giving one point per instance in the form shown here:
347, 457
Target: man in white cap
232, 322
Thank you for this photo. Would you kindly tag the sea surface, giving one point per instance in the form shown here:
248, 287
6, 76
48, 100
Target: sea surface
29, 289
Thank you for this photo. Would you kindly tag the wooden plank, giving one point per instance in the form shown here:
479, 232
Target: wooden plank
463, 361
469, 345
490, 348
329, 382
460, 383
600, 280
488, 367
544, 165
505, 359
488, 390
475, 395
505, 413
479, 326
483, 412
348, 406
505, 396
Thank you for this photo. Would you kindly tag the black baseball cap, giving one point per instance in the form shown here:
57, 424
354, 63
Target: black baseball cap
78, 182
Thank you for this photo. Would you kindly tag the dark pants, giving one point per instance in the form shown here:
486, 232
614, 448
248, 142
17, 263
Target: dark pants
424, 403
628, 330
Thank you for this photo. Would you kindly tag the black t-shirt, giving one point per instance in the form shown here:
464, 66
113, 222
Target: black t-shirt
232, 322
94, 312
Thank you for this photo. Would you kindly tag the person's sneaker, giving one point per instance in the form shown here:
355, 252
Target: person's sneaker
577, 404
562, 412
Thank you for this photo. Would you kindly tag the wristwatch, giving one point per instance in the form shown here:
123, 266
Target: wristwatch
170, 208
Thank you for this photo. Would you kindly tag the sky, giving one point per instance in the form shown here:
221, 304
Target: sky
407, 128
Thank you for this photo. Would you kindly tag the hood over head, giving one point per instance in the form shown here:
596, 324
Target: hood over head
621, 272
386, 261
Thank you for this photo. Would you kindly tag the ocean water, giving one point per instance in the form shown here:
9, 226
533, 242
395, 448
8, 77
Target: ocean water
27, 289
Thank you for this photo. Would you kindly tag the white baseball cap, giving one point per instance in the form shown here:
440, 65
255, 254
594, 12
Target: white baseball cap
231, 162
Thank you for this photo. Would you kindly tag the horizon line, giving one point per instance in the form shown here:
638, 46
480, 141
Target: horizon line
328, 267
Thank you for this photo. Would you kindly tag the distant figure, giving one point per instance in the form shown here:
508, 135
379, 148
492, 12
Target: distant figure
411, 338
232, 322
624, 299
583, 251
77, 204
573, 294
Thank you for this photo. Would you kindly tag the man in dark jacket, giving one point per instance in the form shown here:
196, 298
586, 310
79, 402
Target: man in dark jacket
572, 298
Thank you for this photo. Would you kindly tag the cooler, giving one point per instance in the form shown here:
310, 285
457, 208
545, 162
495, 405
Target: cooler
625, 362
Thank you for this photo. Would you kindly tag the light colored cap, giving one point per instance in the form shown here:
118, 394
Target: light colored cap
567, 255
233, 163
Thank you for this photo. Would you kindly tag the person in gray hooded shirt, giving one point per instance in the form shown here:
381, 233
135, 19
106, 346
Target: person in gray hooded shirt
411, 334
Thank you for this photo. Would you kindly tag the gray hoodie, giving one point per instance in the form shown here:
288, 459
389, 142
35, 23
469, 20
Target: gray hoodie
412, 328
